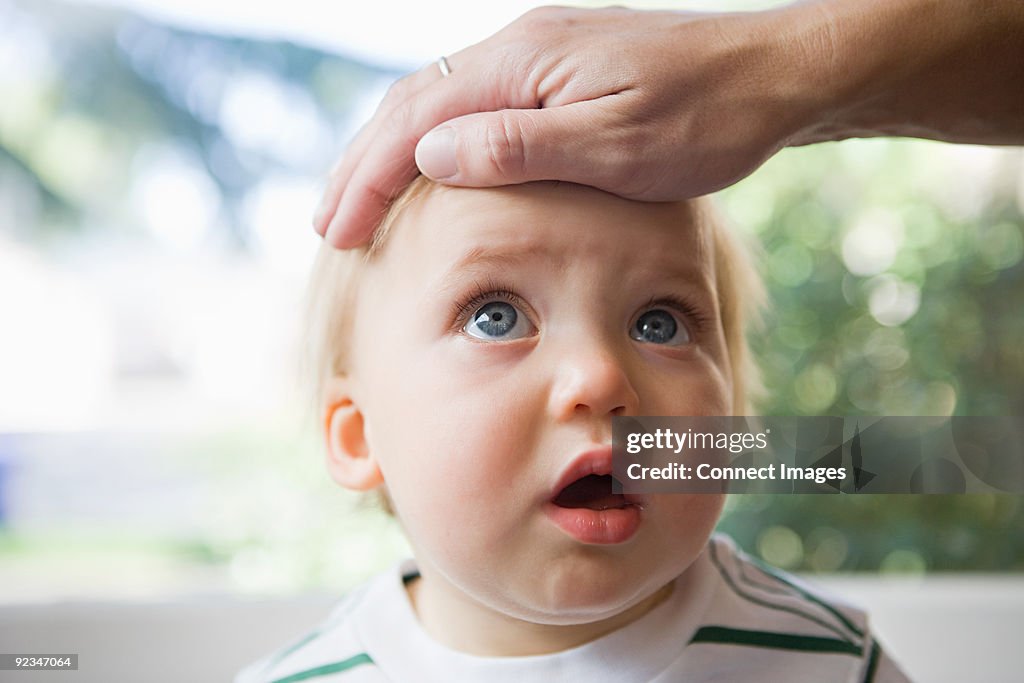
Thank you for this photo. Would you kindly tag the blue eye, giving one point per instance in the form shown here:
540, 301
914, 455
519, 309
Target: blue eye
498, 321
658, 326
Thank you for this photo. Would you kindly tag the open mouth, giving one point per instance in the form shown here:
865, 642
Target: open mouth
593, 492
583, 506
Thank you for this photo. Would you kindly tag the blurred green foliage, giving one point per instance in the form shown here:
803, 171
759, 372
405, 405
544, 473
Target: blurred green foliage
896, 287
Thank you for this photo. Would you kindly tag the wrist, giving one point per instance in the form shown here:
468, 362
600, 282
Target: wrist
815, 77
869, 62
916, 68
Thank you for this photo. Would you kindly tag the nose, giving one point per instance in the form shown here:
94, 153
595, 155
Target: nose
593, 379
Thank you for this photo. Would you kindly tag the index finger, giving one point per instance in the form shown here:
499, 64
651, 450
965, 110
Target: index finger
340, 174
387, 164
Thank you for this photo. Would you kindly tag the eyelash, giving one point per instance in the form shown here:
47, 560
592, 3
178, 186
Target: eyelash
693, 315
484, 293
491, 290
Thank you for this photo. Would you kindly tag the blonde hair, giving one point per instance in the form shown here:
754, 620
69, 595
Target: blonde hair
334, 286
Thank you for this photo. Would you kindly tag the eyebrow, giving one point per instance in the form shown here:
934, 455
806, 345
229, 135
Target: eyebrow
509, 253
479, 257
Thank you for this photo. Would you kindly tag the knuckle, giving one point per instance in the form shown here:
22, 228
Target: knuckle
630, 168
400, 123
398, 90
541, 17
535, 15
506, 148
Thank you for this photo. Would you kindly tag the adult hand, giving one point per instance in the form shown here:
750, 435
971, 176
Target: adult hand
649, 105
667, 105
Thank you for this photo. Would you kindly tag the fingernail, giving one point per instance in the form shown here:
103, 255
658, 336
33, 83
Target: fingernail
435, 154
318, 216
331, 235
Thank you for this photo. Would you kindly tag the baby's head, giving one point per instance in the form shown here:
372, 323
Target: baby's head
472, 358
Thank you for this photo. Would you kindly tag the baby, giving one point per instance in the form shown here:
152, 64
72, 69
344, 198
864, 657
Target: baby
471, 361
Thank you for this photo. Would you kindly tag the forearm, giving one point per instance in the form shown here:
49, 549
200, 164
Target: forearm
940, 69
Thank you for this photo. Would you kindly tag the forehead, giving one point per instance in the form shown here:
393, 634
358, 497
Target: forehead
553, 223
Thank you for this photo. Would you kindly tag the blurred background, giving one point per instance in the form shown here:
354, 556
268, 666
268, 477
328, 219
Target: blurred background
159, 165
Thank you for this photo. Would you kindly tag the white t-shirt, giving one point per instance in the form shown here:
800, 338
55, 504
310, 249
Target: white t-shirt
728, 619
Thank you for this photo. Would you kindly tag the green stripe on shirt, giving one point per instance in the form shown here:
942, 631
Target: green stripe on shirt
778, 641
279, 657
326, 669
770, 571
869, 675
728, 579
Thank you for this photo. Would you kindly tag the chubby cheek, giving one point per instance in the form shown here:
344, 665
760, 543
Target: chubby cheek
702, 385
677, 529
451, 439
696, 391
688, 517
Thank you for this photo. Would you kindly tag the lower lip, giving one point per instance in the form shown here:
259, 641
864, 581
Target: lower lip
597, 527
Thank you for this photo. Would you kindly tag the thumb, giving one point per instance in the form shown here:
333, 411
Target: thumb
512, 146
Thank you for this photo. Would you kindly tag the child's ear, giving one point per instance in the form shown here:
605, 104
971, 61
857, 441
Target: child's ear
350, 461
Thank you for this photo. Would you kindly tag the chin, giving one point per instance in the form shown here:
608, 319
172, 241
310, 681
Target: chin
583, 594
580, 617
